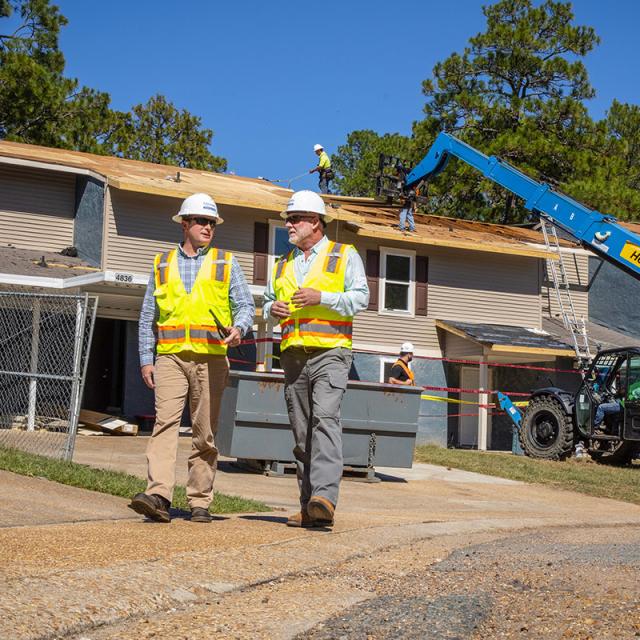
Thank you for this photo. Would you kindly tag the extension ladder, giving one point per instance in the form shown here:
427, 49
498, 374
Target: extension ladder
560, 281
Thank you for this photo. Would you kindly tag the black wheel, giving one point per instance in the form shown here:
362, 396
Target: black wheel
620, 453
546, 430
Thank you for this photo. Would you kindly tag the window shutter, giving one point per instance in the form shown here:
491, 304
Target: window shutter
422, 271
373, 278
260, 253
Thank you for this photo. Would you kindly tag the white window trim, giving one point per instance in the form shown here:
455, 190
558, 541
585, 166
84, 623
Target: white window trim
273, 225
384, 360
384, 252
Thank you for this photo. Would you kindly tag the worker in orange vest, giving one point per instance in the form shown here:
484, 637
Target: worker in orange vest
400, 372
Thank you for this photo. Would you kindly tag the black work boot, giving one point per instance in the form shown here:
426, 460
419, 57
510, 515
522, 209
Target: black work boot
200, 514
153, 506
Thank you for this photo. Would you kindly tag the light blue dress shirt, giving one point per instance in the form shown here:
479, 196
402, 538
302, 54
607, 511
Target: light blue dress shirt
355, 297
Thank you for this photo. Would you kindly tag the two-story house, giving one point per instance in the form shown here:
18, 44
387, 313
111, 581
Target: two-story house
471, 297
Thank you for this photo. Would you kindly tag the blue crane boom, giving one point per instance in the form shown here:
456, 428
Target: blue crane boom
599, 233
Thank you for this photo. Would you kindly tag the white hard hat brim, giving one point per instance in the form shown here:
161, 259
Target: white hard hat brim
178, 218
285, 214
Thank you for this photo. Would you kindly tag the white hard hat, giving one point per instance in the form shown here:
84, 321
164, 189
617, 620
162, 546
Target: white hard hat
306, 202
406, 347
199, 205
318, 147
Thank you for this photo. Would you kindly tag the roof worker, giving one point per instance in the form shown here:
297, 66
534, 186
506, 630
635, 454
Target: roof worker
400, 372
325, 173
187, 284
314, 292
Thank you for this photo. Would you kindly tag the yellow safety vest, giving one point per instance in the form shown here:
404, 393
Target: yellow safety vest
315, 326
184, 322
323, 161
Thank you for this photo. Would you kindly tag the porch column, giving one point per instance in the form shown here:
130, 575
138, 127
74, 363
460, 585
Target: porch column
261, 346
483, 411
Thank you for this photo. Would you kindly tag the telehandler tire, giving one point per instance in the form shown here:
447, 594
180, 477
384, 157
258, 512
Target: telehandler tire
546, 430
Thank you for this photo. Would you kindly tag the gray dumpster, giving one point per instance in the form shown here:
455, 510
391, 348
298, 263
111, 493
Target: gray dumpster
379, 421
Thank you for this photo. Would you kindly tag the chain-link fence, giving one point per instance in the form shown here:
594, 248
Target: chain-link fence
44, 347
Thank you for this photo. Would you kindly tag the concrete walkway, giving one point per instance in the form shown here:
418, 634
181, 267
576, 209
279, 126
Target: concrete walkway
64, 577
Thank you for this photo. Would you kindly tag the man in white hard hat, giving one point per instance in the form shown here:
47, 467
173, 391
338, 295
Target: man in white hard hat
325, 173
198, 304
314, 292
400, 372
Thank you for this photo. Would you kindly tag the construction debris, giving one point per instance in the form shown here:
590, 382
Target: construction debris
107, 423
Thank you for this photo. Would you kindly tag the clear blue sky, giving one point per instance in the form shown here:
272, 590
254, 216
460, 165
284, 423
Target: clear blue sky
273, 78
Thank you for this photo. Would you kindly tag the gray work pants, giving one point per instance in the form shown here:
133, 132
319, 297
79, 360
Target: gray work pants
314, 385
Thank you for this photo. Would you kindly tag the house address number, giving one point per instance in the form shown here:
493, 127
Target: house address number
124, 277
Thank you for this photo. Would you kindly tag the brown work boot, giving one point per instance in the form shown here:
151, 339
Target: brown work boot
320, 508
302, 519
200, 514
153, 506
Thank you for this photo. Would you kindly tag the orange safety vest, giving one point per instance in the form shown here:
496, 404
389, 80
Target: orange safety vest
405, 368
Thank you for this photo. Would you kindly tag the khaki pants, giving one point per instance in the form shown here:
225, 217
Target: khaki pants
201, 378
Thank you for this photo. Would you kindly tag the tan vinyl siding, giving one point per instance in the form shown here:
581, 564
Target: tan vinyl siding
462, 285
484, 287
36, 208
577, 270
387, 330
140, 225
457, 347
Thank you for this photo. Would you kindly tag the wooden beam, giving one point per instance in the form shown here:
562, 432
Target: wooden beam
470, 245
533, 350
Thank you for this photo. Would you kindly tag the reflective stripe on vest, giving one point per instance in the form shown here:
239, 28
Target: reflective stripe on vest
205, 334
171, 335
281, 264
315, 326
335, 254
162, 268
184, 319
221, 266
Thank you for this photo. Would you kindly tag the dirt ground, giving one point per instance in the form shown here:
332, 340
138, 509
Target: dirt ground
427, 553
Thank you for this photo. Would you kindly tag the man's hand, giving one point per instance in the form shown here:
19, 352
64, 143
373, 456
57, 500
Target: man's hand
148, 372
306, 297
234, 337
280, 310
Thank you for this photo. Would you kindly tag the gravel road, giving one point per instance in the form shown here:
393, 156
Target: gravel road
577, 583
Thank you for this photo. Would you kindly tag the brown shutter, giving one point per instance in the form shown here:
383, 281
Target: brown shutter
373, 278
260, 253
422, 269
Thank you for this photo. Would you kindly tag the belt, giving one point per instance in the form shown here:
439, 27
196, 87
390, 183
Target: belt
309, 349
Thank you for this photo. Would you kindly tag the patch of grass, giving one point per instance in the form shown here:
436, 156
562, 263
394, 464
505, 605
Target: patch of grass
114, 483
619, 483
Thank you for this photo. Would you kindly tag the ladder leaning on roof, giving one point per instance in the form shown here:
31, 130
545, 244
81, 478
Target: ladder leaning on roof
563, 293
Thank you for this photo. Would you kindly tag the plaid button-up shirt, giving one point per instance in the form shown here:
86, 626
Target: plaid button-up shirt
240, 299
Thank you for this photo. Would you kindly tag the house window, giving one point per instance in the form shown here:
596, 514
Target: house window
386, 364
397, 293
279, 244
